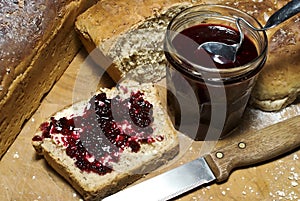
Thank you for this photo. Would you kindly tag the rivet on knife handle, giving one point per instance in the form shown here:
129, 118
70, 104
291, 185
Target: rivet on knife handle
255, 147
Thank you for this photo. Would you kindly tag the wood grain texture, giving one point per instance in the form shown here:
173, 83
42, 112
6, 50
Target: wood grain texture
255, 146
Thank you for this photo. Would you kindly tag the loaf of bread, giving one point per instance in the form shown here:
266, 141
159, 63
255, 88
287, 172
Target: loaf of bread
37, 43
135, 43
105, 143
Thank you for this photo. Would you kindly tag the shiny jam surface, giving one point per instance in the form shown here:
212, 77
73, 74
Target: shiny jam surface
237, 89
188, 41
100, 135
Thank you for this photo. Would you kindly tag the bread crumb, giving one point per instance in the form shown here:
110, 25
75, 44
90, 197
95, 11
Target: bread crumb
294, 176
294, 183
251, 189
223, 192
38, 198
280, 193
16, 155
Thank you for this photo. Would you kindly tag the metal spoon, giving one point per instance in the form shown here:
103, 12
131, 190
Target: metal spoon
228, 52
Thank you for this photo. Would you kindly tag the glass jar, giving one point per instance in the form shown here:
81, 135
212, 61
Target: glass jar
208, 100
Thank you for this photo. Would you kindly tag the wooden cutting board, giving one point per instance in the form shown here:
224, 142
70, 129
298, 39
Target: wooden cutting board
24, 176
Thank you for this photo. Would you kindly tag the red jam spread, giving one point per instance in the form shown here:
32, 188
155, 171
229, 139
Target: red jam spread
107, 127
194, 36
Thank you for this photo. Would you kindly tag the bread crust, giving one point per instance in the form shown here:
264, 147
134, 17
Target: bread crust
32, 62
131, 166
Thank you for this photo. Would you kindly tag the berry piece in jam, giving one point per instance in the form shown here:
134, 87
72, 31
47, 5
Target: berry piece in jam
106, 129
37, 138
140, 110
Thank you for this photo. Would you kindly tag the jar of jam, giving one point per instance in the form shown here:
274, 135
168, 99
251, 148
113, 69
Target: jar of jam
208, 94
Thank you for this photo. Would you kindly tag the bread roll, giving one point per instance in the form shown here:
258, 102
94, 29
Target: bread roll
278, 84
37, 43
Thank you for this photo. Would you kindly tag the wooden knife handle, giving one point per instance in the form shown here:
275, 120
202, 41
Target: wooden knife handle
254, 147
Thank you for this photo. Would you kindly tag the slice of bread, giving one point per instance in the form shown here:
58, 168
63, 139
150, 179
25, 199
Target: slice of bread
124, 164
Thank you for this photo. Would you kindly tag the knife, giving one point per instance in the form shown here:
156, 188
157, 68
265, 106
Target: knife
233, 152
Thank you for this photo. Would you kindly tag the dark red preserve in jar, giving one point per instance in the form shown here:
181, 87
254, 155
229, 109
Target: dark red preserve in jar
206, 93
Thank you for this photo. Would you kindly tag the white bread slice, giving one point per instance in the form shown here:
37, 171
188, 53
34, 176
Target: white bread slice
131, 165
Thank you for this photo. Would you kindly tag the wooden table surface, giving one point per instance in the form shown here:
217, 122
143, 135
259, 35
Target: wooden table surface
26, 177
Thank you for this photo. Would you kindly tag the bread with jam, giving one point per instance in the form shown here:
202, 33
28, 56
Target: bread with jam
103, 144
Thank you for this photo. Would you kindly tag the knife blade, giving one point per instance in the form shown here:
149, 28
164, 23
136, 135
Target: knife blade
233, 152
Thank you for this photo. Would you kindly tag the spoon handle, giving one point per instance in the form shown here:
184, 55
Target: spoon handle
287, 11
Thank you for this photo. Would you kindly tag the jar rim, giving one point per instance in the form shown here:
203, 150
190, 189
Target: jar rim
241, 69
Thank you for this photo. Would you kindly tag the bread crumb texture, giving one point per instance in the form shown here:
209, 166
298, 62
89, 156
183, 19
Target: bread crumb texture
138, 53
